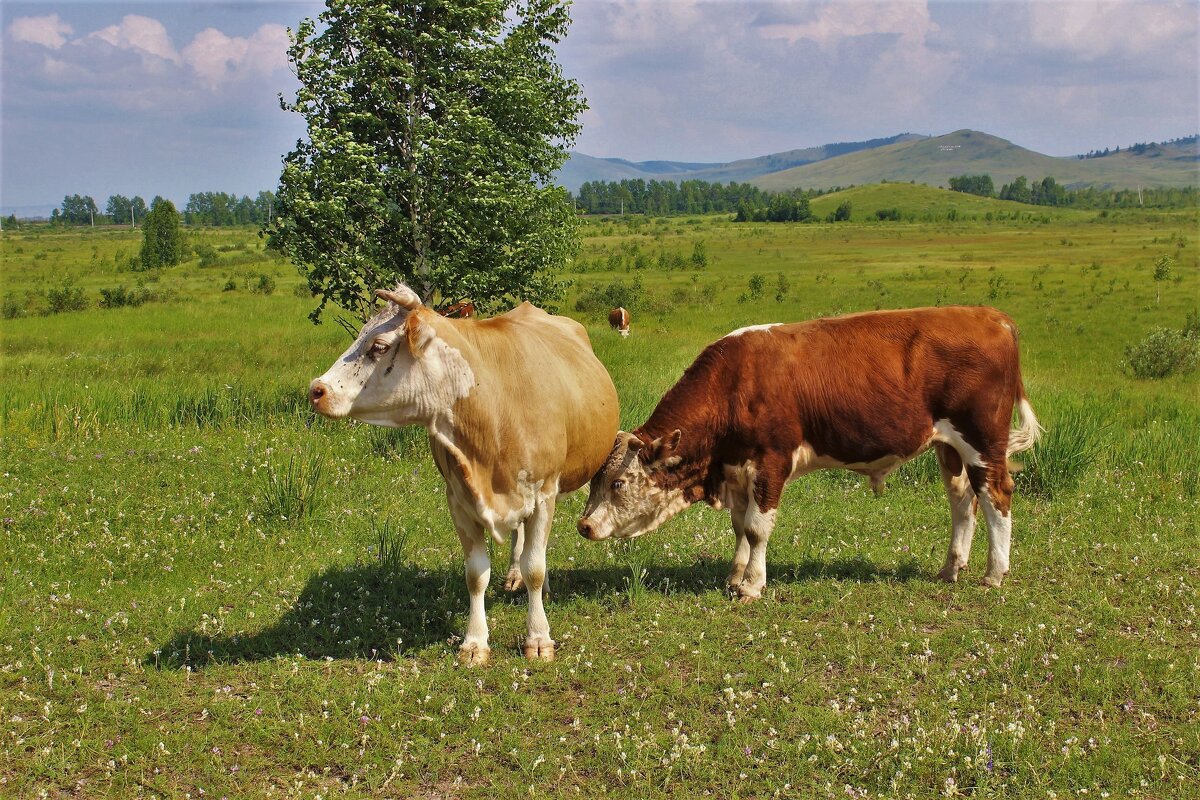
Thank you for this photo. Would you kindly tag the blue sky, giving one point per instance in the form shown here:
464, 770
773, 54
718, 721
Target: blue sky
173, 98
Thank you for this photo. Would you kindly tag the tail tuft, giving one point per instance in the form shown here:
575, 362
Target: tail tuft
1027, 434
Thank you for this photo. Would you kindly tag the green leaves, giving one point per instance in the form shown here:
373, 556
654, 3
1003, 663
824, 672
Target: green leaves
432, 130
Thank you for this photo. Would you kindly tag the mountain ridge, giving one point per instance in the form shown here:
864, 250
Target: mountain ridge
908, 157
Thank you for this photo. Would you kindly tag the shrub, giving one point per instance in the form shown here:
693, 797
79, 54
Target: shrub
618, 293
230, 286
887, 214
208, 255
68, 298
265, 285
120, 296
1164, 352
11, 307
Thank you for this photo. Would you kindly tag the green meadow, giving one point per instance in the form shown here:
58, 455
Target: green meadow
207, 591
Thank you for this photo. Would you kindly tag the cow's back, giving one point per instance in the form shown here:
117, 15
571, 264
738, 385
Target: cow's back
854, 388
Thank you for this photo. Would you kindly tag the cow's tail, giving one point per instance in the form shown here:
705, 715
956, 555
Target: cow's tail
1028, 430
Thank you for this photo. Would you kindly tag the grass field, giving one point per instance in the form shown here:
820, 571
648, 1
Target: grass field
206, 591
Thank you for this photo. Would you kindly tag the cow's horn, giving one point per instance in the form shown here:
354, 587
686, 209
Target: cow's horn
401, 296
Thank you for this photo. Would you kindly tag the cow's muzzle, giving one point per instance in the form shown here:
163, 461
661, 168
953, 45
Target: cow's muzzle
317, 392
588, 531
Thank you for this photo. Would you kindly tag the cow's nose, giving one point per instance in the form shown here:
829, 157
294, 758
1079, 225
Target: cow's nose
316, 392
585, 529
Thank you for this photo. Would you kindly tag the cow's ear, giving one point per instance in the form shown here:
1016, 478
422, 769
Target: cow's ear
418, 333
661, 452
401, 296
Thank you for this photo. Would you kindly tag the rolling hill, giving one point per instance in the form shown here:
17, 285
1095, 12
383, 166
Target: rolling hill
920, 201
935, 160
581, 167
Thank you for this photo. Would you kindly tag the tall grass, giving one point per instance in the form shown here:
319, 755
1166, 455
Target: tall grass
1074, 441
391, 543
291, 491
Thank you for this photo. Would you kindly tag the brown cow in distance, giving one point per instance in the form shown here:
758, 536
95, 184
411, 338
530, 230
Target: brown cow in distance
865, 392
618, 320
462, 310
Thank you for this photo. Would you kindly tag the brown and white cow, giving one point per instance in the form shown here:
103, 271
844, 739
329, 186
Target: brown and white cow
618, 320
459, 310
864, 392
518, 411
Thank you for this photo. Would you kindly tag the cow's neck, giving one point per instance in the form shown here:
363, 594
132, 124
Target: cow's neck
697, 406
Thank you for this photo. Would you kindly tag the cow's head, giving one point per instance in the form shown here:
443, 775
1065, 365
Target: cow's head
630, 494
399, 371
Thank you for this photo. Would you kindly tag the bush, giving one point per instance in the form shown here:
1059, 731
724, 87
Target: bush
892, 214
1164, 352
618, 293
265, 285
12, 307
68, 298
208, 255
120, 296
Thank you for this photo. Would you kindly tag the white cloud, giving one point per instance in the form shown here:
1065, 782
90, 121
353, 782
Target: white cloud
142, 35
838, 21
48, 31
1092, 30
217, 58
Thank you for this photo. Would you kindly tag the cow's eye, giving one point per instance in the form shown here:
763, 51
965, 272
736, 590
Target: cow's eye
379, 348
618, 485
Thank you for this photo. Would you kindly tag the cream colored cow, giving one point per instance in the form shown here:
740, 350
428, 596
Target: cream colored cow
518, 410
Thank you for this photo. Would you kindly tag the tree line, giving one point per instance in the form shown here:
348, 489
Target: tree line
660, 198
1139, 148
202, 208
1048, 192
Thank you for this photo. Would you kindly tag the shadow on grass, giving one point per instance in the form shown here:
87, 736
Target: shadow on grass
371, 612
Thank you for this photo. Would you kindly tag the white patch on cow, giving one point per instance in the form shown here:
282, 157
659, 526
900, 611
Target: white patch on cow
999, 527
806, 460
752, 328
946, 433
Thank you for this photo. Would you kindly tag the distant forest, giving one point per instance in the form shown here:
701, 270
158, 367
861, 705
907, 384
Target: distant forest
203, 208
1139, 149
659, 198
1048, 192
652, 198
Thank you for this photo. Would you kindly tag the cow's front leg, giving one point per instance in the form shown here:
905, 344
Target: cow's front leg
538, 644
474, 650
512, 581
758, 526
741, 548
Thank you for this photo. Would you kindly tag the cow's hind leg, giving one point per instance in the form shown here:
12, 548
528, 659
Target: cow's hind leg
474, 650
995, 496
538, 644
962, 511
512, 581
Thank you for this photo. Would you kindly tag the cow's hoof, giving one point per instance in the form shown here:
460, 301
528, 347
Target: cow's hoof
949, 574
992, 580
744, 594
539, 649
513, 582
473, 655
